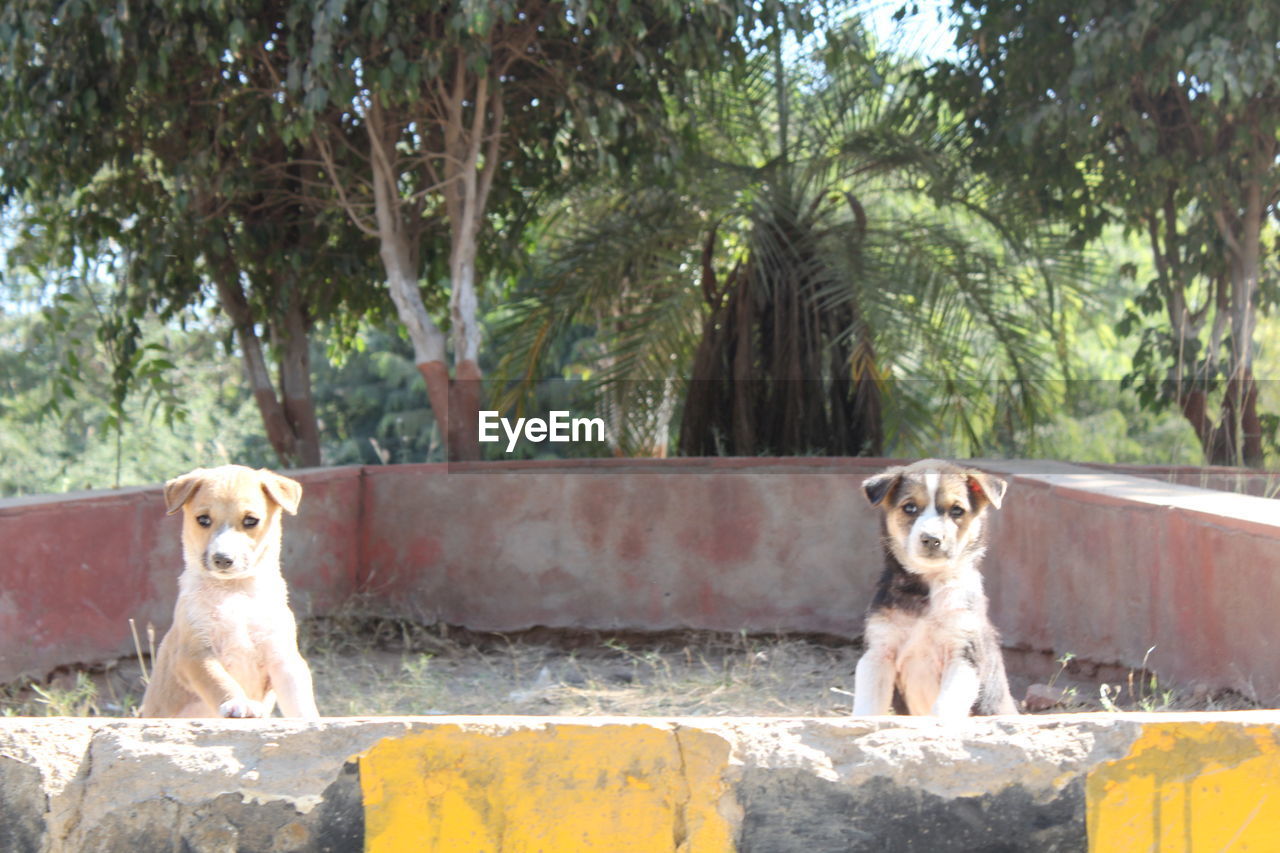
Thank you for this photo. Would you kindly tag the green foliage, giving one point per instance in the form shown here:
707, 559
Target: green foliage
370, 404
140, 138
156, 151
1162, 118
79, 700
248, 143
951, 310
1104, 426
65, 432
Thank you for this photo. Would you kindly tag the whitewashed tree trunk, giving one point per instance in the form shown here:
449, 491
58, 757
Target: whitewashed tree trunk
462, 172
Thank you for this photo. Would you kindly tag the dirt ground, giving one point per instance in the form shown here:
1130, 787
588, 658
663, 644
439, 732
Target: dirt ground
377, 666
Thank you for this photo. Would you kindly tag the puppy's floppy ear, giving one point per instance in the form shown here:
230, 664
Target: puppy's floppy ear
875, 488
180, 489
984, 485
282, 490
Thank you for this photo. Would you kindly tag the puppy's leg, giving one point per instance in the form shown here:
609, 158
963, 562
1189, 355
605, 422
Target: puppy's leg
873, 683
210, 679
995, 697
165, 695
959, 689
291, 679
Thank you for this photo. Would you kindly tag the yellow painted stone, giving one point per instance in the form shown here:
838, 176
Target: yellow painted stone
562, 788
1188, 787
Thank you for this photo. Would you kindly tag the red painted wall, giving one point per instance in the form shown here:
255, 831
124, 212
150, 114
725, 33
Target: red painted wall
74, 569
721, 544
1083, 561
1108, 566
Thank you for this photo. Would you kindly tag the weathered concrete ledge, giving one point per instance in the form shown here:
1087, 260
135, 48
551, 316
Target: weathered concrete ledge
1069, 782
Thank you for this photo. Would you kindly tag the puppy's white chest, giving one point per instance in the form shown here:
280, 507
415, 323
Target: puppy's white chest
924, 643
239, 628
919, 662
945, 620
237, 622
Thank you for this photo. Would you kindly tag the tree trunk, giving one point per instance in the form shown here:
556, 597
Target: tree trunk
291, 429
427, 338
1236, 438
464, 411
293, 341
1241, 403
1195, 408
397, 255
1241, 429
466, 192
465, 391
455, 401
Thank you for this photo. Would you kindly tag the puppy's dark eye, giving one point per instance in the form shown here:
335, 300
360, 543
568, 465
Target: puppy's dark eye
956, 511
203, 520
910, 508
250, 521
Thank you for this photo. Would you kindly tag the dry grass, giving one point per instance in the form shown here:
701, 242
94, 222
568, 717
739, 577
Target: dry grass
109, 690
371, 665
414, 670
1089, 686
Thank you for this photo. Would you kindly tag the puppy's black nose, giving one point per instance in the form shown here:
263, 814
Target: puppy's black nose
932, 543
221, 561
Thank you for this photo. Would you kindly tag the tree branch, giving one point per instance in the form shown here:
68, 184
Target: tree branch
350, 208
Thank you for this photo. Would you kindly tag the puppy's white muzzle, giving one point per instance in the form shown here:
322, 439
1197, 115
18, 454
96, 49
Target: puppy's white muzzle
229, 555
930, 540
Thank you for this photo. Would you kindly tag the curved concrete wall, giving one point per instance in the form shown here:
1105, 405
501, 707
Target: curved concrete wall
761, 545
75, 568
1245, 481
1108, 566
1099, 564
1095, 781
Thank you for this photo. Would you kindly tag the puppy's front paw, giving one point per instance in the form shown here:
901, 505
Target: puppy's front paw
241, 708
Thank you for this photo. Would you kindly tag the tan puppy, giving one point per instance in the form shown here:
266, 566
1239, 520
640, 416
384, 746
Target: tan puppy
233, 647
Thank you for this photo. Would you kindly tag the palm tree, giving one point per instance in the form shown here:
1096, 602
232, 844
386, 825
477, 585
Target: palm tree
820, 275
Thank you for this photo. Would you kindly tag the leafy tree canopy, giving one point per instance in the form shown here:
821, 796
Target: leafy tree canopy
1162, 117
824, 266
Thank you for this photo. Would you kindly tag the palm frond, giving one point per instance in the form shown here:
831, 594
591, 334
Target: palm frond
856, 290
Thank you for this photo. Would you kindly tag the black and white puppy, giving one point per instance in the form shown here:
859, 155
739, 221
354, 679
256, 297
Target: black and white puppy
928, 636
